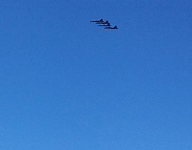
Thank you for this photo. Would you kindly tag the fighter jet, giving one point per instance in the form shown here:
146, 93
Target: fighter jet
103, 22
97, 20
115, 27
105, 25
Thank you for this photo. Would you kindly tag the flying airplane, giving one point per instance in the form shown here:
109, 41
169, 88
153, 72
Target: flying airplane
108, 24
97, 20
115, 27
103, 22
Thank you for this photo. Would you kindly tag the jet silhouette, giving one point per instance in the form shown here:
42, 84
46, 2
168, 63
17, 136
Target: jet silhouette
108, 24
97, 20
103, 22
115, 27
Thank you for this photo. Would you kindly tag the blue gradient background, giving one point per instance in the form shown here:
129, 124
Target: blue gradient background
66, 84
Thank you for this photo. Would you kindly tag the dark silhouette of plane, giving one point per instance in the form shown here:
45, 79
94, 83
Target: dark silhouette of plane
115, 27
105, 25
103, 22
97, 20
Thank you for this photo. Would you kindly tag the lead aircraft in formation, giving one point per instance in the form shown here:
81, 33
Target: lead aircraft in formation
97, 20
105, 24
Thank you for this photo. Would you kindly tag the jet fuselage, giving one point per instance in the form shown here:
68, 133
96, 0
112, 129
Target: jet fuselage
97, 20
115, 27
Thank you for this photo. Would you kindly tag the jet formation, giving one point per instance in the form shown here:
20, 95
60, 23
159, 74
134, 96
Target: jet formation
104, 24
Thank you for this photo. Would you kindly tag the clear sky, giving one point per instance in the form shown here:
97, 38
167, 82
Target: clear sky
67, 84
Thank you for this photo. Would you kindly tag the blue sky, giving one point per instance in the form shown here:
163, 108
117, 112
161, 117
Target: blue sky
67, 84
